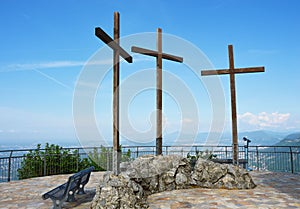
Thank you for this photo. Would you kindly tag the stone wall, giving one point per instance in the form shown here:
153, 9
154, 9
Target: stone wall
151, 174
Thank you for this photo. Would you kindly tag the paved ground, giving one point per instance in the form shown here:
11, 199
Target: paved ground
274, 190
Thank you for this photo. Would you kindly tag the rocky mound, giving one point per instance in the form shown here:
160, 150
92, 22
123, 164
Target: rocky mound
151, 174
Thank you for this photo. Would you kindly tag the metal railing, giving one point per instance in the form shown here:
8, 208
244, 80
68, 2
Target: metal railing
270, 158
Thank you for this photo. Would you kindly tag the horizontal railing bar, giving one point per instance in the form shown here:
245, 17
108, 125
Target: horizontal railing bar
262, 157
149, 146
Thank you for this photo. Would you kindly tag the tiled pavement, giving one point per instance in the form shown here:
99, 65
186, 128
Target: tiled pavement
274, 190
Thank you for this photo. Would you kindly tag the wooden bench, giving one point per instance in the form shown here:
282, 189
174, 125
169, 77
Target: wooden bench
230, 161
66, 191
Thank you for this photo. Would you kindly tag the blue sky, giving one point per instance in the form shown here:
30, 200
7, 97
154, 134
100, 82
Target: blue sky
44, 45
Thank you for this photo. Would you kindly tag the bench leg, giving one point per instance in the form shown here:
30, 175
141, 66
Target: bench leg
81, 189
57, 204
71, 196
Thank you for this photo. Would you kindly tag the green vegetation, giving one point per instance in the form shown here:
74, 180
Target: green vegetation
54, 159
51, 160
103, 159
208, 155
202, 154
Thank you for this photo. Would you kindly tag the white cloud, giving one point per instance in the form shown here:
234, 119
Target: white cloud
44, 65
264, 120
60, 64
187, 120
52, 64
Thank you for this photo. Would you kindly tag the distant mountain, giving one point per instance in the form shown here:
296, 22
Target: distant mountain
260, 137
290, 140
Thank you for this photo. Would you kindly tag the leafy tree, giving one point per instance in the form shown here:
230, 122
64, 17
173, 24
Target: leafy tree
54, 159
51, 160
102, 160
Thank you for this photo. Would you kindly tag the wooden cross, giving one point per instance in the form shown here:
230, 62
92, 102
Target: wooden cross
118, 51
232, 71
159, 56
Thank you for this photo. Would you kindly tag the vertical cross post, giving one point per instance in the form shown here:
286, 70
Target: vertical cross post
232, 71
159, 94
116, 81
235, 145
118, 51
159, 57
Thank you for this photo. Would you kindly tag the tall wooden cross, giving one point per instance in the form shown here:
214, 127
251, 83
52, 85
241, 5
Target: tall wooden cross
118, 51
159, 56
232, 71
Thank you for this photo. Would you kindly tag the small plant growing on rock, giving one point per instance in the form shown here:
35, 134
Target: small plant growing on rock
207, 155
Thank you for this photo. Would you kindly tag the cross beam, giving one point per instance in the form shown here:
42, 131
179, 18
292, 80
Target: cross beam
112, 44
155, 54
159, 57
118, 51
236, 71
232, 71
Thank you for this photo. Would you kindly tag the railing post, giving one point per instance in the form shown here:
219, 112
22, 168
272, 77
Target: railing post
137, 151
257, 159
166, 150
107, 160
45, 166
292, 160
9, 166
226, 152
78, 159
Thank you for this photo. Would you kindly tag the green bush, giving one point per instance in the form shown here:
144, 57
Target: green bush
102, 159
54, 159
50, 161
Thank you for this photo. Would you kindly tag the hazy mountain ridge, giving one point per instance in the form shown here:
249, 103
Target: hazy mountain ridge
290, 140
260, 137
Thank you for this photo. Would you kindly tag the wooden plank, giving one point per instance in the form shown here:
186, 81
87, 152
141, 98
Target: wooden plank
155, 54
159, 93
236, 71
112, 44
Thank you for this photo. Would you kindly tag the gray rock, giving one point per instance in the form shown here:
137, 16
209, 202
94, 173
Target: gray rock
214, 175
151, 174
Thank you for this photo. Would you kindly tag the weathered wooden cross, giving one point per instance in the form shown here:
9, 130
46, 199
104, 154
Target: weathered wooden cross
232, 71
118, 51
159, 56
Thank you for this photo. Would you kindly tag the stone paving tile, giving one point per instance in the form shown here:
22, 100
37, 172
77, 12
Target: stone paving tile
27, 194
274, 190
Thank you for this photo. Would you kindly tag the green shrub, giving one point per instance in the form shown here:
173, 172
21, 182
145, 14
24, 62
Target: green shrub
50, 161
102, 159
54, 159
